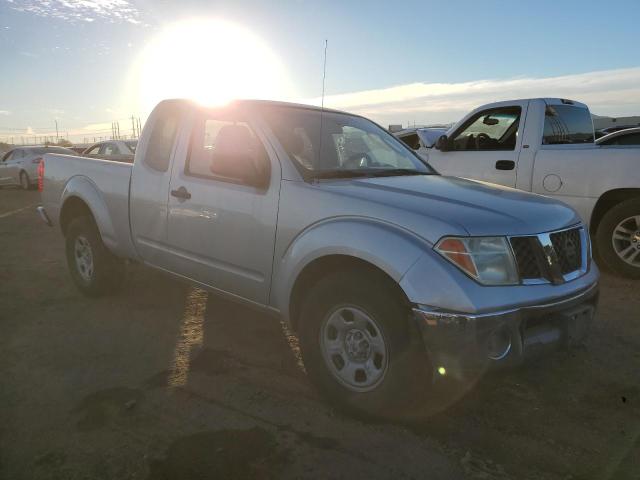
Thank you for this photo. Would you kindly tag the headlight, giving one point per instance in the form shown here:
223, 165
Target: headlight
486, 259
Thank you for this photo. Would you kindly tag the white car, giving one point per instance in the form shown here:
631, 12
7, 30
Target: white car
547, 146
421, 138
19, 166
626, 137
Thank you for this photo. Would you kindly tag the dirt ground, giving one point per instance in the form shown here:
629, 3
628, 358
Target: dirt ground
165, 381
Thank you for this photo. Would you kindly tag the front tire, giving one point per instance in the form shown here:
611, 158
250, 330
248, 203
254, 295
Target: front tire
94, 269
618, 238
359, 347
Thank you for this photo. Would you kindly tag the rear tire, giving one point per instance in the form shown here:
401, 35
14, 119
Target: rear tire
618, 238
360, 348
93, 268
25, 183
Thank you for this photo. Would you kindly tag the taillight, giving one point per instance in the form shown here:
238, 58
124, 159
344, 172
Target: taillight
40, 175
36, 160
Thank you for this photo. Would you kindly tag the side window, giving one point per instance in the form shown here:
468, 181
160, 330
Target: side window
214, 134
564, 124
94, 151
8, 156
630, 139
412, 140
495, 129
161, 140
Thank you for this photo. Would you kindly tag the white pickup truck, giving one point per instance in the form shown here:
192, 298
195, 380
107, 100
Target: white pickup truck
391, 274
546, 146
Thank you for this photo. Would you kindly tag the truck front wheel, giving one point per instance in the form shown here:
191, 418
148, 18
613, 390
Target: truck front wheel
359, 348
618, 238
94, 269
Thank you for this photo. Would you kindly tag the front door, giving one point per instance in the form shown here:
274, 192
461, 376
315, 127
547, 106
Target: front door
485, 147
221, 230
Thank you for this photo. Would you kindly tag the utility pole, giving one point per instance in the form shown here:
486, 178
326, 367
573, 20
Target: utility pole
118, 127
57, 136
133, 127
139, 127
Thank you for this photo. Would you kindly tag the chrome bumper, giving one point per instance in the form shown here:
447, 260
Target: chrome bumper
459, 342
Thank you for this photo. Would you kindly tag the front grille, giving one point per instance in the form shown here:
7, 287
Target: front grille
524, 249
549, 257
568, 247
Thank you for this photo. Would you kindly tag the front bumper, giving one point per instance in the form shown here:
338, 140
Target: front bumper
461, 343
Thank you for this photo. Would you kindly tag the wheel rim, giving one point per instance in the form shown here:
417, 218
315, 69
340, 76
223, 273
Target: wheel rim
84, 258
354, 348
626, 240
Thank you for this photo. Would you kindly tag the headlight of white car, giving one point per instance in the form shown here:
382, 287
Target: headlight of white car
489, 260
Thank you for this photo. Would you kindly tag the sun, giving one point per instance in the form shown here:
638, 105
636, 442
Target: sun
210, 61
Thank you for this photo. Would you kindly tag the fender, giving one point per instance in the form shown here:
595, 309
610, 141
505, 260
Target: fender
86, 190
388, 247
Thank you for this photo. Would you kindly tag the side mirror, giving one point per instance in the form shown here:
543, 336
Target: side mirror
443, 144
490, 120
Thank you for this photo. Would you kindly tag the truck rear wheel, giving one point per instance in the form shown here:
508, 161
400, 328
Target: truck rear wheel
359, 348
618, 238
93, 268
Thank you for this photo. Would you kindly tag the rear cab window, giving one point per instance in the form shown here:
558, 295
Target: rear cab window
162, 138
567, 124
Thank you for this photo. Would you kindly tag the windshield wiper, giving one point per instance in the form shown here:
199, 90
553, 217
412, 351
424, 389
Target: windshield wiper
352, 173
395, 172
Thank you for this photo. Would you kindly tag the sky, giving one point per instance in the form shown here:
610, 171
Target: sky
88, 63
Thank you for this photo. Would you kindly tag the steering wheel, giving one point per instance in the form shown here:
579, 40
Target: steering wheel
358, 160
481, 140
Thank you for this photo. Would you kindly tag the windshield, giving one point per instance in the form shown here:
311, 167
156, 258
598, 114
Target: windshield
330, 144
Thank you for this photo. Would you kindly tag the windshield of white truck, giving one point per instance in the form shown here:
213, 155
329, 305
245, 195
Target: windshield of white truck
565, 124
330, 144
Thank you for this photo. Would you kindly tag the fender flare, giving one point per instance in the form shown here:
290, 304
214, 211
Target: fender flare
388, 247
85, 189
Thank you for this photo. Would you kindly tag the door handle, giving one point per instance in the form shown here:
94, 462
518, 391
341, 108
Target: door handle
505, 165
182, 193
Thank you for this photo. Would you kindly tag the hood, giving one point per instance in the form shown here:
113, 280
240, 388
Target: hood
480, 209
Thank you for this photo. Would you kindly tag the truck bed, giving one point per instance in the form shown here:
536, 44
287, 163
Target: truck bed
102, 184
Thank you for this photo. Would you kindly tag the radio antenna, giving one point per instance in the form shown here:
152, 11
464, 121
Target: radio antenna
324, 76
324, 70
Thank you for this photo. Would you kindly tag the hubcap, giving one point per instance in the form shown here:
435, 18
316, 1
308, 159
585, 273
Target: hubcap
84, 258
626, 240
353, 348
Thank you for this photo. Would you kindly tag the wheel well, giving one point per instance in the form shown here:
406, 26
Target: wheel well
73, 207
319, 267
607, 201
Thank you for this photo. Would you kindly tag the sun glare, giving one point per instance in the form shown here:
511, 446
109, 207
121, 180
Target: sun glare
210, 61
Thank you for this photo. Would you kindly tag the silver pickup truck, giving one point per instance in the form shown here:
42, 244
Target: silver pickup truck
392, 275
